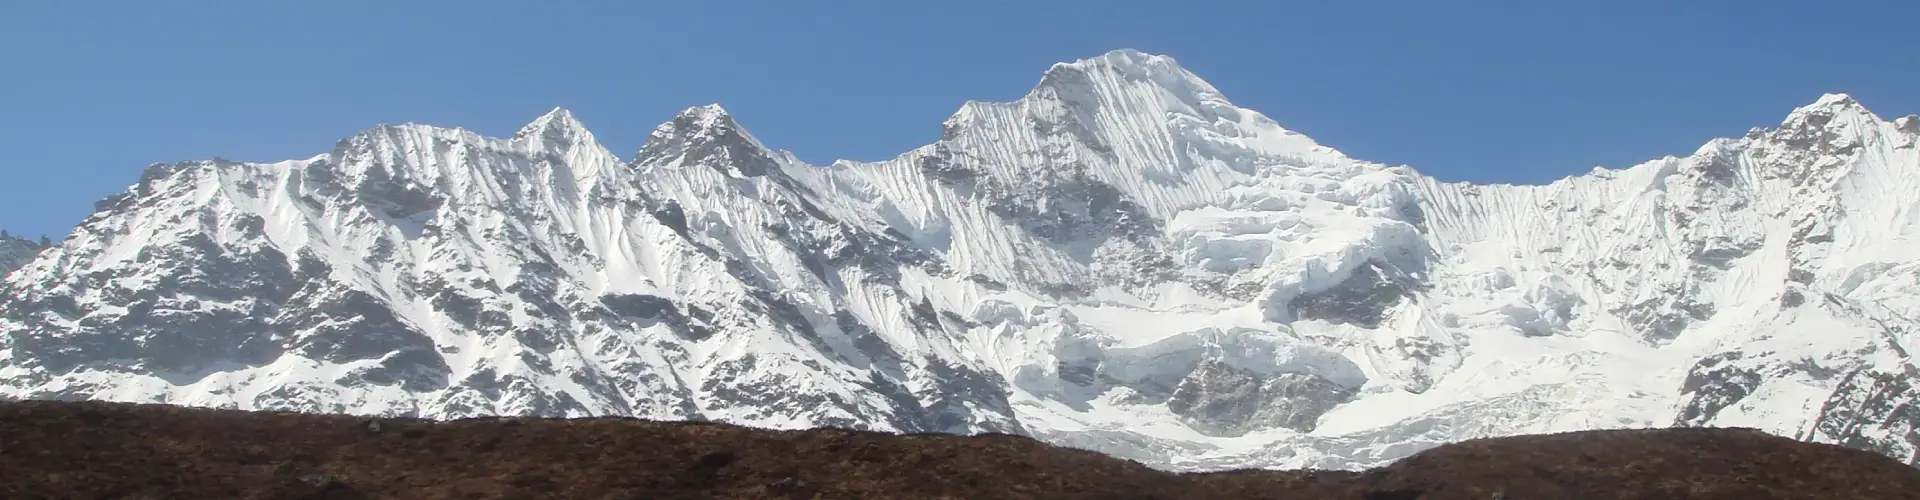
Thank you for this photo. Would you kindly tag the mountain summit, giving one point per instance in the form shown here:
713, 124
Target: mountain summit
1121, 260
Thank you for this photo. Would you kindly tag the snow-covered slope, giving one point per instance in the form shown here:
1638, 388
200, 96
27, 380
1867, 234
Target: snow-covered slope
16, 251
1121, 260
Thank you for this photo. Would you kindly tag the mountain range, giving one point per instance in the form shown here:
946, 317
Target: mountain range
1121, 260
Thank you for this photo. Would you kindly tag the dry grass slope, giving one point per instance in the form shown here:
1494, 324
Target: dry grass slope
109, 450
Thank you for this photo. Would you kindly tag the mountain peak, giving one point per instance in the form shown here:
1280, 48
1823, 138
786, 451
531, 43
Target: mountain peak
556, 126
557, 117
1127, 64
558, 113
709, 120
707, 115
1828, 105
1834, 99
1164, 275
702, 132
1154, 95
1832, 113
1118, 58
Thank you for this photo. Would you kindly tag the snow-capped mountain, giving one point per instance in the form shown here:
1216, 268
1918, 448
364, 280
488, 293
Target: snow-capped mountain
1121, 260
16, 251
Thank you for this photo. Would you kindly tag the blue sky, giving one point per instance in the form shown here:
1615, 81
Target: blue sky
1510, 91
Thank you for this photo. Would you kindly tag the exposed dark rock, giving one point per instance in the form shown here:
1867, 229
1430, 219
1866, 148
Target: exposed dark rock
1077, 373
1720, 254
346, 325
637, 305
1363, 299
731, 384
1875, 411
1223, 400
988, 283
414, 370
707, 137
942, 168
1792, 298
394, 197
1714, 383
1666, 314
166, 325
1909, 124
671, 215
16, 251
964, 394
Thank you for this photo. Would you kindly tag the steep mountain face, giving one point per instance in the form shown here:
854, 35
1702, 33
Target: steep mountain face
1121, 260
16, 251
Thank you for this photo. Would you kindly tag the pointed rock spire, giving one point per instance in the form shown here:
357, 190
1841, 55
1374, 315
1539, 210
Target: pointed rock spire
695, 122
707, 135
557, 127
1822, 110
1834, 123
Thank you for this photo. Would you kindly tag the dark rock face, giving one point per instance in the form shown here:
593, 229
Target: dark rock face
1873, 410
1075, 210
1909, 124
394, 196
1811, 132
671, 215
16, 251
1363, 299
346, 325
1714, 383
212, 308
707, 137
414, 370
1720, 253
1059, 202
207, 306
1070, 207
1223, 400
942, 168
1664, 317
965, 394
733, 383
637, 306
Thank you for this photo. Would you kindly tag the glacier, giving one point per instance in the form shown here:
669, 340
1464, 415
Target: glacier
1121, 260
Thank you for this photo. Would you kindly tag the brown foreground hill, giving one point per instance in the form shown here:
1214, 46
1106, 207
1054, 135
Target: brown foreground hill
108, 450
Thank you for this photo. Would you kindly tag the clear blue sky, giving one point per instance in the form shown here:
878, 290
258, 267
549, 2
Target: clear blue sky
1514, 91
